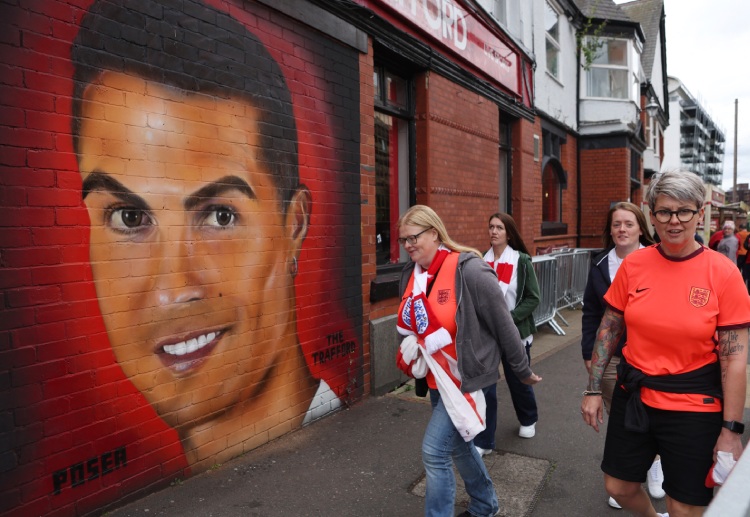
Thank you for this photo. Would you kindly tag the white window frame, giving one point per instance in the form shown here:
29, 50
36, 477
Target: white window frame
629, 77
555, 43
500, 11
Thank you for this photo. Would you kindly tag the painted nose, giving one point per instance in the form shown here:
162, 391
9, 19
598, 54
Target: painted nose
179, 273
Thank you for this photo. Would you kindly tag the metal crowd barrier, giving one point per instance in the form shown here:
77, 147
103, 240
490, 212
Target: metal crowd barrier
545, 268
565, 297
562, 277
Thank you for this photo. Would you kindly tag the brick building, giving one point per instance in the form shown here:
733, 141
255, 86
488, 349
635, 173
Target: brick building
198, 253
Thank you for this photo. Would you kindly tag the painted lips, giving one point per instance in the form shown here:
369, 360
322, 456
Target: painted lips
185, 356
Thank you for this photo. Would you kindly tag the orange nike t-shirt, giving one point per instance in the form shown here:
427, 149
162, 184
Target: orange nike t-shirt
672, 309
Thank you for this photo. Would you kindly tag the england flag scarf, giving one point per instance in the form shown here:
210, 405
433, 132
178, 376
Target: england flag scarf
466, 410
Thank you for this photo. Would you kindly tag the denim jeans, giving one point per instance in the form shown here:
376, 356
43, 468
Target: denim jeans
441, 443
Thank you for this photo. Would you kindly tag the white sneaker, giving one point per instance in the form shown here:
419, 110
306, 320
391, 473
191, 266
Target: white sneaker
527, 431
482, 452
662, 515
614, 504
655, 479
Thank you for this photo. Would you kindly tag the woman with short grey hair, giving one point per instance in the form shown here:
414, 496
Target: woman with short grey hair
675, 396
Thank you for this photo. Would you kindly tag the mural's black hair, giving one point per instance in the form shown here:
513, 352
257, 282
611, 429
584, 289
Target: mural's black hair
197, 48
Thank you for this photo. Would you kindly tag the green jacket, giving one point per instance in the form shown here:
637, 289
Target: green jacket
527, 297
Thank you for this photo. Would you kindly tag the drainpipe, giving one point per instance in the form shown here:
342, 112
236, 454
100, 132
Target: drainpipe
578, 148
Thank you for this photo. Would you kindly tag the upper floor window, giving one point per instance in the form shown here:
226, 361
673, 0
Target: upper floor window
393, 114
500, 11
608, 75
552, 28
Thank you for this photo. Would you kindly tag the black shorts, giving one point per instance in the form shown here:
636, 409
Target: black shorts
685, 441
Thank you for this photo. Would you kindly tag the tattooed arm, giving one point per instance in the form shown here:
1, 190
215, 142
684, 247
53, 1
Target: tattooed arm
733, 361
607, 337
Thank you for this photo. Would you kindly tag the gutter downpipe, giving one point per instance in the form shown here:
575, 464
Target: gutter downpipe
578, 147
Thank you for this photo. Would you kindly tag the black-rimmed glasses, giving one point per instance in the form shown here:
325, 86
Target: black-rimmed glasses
684, 215
411, 239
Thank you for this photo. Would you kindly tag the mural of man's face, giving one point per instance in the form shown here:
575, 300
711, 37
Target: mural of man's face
190, 247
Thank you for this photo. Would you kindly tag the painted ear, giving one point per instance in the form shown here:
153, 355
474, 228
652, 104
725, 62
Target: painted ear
298, 218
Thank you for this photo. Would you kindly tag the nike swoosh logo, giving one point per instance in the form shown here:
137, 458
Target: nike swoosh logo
642, 289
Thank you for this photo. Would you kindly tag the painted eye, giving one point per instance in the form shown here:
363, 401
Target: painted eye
128, 218
221, 216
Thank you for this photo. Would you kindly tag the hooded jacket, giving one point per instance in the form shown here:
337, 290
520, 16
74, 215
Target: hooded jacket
484, 326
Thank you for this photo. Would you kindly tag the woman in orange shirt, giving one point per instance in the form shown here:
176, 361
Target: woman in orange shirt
675, 395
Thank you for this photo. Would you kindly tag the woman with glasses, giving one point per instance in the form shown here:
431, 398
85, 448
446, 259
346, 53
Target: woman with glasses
511, 261
625, 231
677, 394
446, 290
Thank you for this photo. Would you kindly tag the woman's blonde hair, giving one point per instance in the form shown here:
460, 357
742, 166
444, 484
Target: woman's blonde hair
425, 217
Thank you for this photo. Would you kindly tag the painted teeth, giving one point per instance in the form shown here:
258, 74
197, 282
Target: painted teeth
191, 345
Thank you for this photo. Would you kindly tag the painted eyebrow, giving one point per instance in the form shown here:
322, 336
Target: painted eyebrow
217, 188
100, 181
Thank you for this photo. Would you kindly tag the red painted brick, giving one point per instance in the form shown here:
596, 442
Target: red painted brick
53, 197
15, 237
32, 296
57, 274
26, 217
25, 177
66, 311
16, 318
37, 373
24, 416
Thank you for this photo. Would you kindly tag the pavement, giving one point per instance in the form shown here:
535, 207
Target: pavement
365, 460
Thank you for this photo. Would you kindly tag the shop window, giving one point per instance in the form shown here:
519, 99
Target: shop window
608, 75
392, 162
552, 28
554, 181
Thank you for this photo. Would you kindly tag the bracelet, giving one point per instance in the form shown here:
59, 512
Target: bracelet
588, 393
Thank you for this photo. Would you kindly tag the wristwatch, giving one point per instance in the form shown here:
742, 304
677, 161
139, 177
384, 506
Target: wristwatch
734, 426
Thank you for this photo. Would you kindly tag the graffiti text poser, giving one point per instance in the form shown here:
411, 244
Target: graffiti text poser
79, 473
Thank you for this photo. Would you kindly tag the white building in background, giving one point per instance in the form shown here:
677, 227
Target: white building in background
693, 141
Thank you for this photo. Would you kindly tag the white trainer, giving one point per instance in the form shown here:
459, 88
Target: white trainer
527, 431
662, 515
614, 504
655, 479
482, 452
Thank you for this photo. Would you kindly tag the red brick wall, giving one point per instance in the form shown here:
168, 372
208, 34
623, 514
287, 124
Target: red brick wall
457, 157
527, 187
78, 435
605, 179
526, 200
